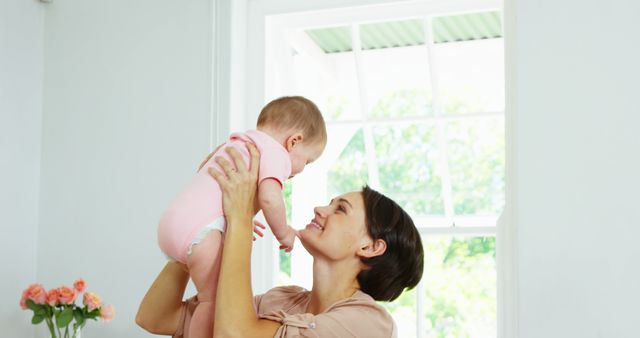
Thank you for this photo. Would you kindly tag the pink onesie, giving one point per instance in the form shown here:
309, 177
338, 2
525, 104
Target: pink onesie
200, 203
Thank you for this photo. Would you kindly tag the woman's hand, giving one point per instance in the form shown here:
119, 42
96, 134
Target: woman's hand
257, 227
238, 183
209, 157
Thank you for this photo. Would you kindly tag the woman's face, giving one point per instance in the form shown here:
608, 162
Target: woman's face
338, 229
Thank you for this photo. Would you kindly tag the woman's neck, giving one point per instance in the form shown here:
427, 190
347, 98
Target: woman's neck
332, 283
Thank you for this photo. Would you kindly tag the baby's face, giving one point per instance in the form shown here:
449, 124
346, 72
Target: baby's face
303, 154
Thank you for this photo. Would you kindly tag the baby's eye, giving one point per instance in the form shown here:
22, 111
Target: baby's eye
341, 208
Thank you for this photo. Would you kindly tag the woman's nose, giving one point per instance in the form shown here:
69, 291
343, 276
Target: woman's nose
320, 211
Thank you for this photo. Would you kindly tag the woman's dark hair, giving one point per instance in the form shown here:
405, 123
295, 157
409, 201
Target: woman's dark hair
402, 263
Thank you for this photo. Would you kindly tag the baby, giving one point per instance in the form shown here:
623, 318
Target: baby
290, 134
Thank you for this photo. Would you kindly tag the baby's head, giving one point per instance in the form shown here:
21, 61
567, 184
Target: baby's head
298, 124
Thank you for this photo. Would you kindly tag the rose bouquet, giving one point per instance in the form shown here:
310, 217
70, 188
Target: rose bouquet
58, 309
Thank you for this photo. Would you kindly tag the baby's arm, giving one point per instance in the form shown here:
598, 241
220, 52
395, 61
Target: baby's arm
272, 204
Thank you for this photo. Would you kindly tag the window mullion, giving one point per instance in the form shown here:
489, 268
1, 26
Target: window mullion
417, 119
421, 301
459, 231
443, 159
372, 165
369, 145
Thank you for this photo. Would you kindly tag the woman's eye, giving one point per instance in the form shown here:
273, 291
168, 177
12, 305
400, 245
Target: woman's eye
341, 208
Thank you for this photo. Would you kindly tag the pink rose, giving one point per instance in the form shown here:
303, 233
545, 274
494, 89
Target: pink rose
52, 297
92, 300
66, 295
107, 313
23, 300
80, 285
36, 293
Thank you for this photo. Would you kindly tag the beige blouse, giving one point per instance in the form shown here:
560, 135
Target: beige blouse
356, 317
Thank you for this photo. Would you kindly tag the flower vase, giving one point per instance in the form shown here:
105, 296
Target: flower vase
77, 333
64, 332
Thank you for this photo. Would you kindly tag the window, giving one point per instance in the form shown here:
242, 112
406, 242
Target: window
414, 103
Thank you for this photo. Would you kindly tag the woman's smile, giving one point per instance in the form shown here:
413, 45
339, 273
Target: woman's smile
315, 225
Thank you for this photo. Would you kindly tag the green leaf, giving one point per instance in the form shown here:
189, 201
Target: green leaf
93, 314
65, 317
78, 316
37, 319
31, 305
41, 311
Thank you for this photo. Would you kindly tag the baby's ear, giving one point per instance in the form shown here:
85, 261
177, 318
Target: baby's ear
293, 140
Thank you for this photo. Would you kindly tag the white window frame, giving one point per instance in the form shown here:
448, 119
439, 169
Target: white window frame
239, 44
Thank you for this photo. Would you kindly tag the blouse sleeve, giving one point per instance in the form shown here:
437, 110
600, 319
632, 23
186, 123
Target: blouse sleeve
355, 321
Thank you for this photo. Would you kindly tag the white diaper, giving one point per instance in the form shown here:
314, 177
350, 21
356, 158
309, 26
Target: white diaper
219, 224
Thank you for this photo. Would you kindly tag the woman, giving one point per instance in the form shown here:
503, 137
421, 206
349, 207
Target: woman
365, 248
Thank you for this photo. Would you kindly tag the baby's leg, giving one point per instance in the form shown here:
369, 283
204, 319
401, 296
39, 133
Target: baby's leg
204, 267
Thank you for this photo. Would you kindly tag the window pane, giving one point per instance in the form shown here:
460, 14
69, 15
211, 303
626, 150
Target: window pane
349, 171
460, 290
284, 271
465, 27
392, 34
476, 165
403, 311
324, 71
332, 39
470, 75
340, 95
460, 286
406, 157
396, 82
403, 102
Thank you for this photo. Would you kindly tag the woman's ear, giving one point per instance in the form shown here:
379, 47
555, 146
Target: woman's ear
293, 140
373, 249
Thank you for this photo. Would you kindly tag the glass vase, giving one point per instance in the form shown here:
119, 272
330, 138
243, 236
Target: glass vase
70, 331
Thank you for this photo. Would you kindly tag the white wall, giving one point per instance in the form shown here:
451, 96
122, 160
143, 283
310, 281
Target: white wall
20, 126
126, 122
575, 174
